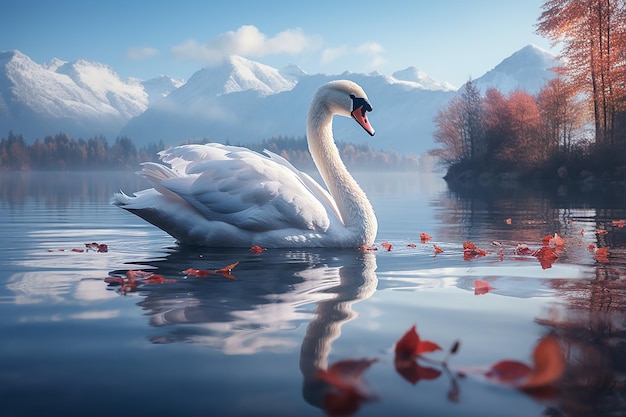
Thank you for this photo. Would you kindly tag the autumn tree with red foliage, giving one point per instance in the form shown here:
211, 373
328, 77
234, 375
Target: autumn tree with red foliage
593, 35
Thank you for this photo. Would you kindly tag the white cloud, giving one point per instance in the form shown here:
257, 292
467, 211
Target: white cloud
246, 41
371, 51
138, 54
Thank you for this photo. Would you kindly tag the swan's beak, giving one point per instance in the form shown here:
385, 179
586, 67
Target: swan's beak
360, 116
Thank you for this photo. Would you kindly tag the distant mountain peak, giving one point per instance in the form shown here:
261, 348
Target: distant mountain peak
423, 80
528, 69
292, 72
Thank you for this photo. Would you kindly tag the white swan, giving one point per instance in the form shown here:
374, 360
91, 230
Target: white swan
228, 196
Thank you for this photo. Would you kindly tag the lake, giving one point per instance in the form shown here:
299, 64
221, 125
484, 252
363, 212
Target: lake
252, 340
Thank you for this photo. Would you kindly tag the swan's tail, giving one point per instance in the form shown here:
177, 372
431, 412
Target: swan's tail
154, 173
121, 200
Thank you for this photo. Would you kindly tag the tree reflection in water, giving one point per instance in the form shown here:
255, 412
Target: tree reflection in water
589, 314
590, 323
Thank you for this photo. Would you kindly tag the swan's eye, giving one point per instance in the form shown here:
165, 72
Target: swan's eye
362, 103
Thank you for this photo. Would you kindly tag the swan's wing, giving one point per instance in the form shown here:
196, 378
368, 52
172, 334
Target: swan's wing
241, 187
317, 190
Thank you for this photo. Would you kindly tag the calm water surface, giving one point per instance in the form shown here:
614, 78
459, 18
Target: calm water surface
71, 344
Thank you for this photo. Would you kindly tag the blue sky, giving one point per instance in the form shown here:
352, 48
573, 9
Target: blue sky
451, 40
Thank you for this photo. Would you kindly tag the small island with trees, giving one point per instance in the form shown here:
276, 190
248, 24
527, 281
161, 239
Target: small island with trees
574, 129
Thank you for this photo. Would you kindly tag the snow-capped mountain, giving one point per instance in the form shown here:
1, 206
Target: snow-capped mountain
527, 69
159, 87
81, 98
238, 102
423, 80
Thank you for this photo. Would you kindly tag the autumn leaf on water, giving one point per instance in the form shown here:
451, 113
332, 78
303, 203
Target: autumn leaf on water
410, 344
407, 349
481, 287
547, 367
424, 237
348, 389
257, 249
437, 249
508, 221
470, 251
411, 245
387, 246
602, 254
367, 248
546, 256
225, 271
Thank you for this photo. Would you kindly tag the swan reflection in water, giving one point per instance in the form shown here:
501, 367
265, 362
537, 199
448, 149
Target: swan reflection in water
273, 293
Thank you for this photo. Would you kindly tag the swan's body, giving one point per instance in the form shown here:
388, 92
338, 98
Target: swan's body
228, 196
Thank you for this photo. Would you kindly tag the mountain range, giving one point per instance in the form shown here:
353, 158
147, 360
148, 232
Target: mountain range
237, 102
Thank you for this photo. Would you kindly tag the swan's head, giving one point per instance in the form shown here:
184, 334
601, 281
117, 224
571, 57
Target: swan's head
345, 98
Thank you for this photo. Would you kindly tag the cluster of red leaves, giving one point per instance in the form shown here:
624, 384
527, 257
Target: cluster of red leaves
89, 247
547, 254
347, 391
135, 278
536, 379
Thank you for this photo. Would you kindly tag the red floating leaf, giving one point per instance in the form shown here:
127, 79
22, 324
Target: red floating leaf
366, 248
387, 246
481, 287
257, 249
508, 221
546, 256
437, 249
410, 344
425, 237
228, 268
470, 250
602, 255
426, 346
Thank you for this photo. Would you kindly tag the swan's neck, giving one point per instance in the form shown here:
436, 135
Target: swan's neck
356, 211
